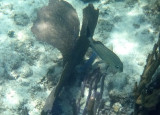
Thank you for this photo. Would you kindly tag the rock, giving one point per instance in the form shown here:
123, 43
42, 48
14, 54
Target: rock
119, 81
9, 61
26, 72
136, 26
21, 19
117, 107
140, 63
11, 33
53, 74
105, 25
2, 71
117, 19
141, 19
157, 22
107, 104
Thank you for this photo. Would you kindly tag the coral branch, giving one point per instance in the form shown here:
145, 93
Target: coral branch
146, 94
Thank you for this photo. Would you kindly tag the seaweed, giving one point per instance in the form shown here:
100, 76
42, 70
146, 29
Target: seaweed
147, 98
58, 25
90, 17
94, 101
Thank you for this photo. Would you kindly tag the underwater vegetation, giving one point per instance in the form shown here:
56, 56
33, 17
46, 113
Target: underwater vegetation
147, 93
58, 25
94, 102
31, 68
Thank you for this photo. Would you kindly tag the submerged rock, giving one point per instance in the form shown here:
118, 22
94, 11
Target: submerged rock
11, 33
117, 107
26, 72
21, 19
118, 82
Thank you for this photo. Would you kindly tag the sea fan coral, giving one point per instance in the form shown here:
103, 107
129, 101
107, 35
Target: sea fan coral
58, 25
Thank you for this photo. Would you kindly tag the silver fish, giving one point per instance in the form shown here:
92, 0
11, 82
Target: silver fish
106, 54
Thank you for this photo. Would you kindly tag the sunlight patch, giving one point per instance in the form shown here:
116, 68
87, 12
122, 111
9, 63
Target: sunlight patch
134, 12
12, 98
22, 36
121, 44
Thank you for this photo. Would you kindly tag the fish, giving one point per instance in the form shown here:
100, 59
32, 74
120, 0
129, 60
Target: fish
108, 56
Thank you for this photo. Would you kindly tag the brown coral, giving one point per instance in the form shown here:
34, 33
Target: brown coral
58, 25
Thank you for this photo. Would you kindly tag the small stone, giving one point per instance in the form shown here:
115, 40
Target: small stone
14, 75
136, 26
26, 72
107, 103
21, 19
105, 25
117, 107
141, 19
11, 34
117, 19
157, 19
146, 31
140, 63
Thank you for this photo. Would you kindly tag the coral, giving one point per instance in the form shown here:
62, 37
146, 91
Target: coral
61, 31
152, 11
57, 26
94, 82
147, 92
90, 16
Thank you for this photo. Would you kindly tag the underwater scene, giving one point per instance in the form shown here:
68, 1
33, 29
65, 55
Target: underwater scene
79, 57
